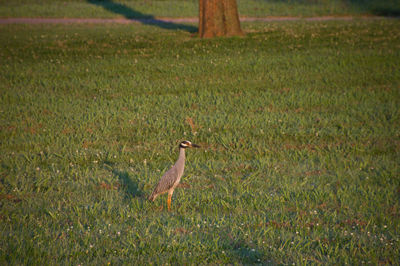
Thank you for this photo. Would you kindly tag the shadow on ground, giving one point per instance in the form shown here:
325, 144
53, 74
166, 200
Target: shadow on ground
130, 185
146, 19
388, 8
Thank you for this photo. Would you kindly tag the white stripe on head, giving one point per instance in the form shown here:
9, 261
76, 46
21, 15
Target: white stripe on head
185, 144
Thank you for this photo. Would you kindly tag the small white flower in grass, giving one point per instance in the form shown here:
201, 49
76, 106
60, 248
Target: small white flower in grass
91, 246
118, 233
37, 169
253, 249
385, 226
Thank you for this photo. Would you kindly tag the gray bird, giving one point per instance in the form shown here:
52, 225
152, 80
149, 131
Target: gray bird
170, 180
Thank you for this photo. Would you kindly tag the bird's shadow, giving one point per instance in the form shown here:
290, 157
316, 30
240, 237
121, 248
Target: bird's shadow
135, 15
129, 184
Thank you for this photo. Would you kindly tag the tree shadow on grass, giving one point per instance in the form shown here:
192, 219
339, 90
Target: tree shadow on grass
377, 7
387, 8
386, 12
146, 19
129, 184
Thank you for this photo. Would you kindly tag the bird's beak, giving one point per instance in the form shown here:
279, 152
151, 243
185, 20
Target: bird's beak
195, 145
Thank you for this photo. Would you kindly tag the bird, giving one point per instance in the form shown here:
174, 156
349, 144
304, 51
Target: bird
170, 180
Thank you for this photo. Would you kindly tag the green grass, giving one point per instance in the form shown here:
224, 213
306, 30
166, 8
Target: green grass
189, 8
299, 122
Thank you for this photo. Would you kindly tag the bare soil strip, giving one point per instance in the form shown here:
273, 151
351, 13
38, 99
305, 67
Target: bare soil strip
166, 20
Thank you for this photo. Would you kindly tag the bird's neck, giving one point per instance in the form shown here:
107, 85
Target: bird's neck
181, 154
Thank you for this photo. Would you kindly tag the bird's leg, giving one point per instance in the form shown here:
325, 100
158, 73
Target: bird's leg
169, 200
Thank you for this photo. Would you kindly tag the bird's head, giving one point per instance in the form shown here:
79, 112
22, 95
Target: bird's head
187, 144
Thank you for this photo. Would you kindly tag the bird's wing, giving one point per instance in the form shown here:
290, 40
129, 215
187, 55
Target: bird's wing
166, 181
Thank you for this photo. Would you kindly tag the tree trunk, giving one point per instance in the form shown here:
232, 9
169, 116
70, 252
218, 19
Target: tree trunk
218, 18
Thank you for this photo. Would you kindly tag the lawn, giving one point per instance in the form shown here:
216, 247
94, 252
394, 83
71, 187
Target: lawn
189, 8
299, 124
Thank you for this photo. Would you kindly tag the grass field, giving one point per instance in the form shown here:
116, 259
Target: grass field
299, 123
189, 8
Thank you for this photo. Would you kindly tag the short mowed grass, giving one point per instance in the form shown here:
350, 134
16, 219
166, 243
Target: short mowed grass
299, 125
189, 8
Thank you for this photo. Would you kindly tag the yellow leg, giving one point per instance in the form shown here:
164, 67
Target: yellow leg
169, 201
